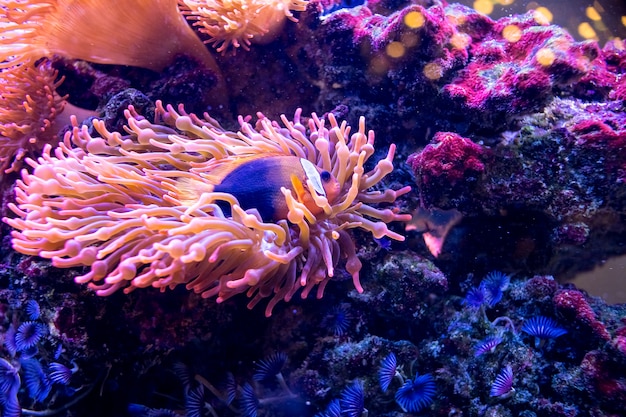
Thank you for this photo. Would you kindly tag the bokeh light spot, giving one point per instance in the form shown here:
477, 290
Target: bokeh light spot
433, 71
586, 31
543, 16
414, 20
545, 57
592, 13
624, 20
512, 33
379, 65
460, 40
395, 49
483, 6
505, 2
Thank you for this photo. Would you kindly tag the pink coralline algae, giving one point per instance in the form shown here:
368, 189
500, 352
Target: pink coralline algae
451, 60
518, 63
603, 132
603, 374
573, 306
449, 156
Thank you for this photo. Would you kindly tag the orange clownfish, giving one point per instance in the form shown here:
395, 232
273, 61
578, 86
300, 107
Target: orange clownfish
256, 183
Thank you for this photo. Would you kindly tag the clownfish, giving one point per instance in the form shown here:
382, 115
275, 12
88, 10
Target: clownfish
256, 182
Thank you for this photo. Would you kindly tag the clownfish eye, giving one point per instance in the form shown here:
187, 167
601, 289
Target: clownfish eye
325, 176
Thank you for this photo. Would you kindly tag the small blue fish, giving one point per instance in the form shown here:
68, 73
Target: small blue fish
256, 183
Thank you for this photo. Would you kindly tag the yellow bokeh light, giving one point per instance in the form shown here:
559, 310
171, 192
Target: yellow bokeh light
483, 6
532, 5
592, 13
433, 71
512, 33
395, 49
545, 57
414, 20
624, 20
505, 2
460, 40
543, 16
379, 65
586, 31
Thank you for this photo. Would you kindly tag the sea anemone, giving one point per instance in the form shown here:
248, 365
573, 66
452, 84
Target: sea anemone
237, 23
416, 394
139, 33
144, 209
31, 112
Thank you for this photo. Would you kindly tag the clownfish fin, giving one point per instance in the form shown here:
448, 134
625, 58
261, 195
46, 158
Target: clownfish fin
298, 187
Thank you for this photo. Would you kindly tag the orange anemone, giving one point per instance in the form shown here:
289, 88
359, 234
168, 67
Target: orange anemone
31, 111
140, 33
238, 23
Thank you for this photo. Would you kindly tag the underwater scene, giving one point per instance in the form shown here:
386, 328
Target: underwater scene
312, 208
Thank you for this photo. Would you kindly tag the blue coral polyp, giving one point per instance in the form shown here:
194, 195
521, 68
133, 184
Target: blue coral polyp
121, 205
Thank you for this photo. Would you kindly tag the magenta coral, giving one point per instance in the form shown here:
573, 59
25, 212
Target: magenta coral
519, 61
117, 204
603, 374
449, 156
572, 305
603, 133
